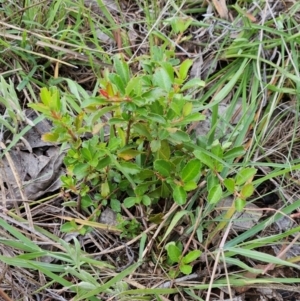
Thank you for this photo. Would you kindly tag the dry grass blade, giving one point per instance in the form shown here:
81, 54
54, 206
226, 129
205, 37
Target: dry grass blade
221, 8
18, 181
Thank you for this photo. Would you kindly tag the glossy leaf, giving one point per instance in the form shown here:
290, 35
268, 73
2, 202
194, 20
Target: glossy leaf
187, 109
155, 118
191, 118
215, 194
162, 79
189, 186
179, 195
143, 130
164, 152
122, 69
212, 180
185, 269
105, 189
128, 154
193, 84
204, 158
155, 145
191, 170
229, 184
180, 136
163, 167
216, 149
234, 153
247, 190
131, 201
184, 68
50, 137
103, 163
245, 175
239, 204
81, 170
146, 200
191, 256
130, 168
173, 252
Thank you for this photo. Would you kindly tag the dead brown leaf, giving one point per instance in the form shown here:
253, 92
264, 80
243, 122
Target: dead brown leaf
221, 8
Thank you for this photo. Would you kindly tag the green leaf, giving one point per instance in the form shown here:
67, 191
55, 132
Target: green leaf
193, 83
212, 180
41, 108
153, 94
163, 134
191, 170
155, 118
105, 191
145, 174
215, 194
229, 184
131, 201
184, 68
191, 118
143, 187
86, 201
103, 163
87, 155
234, 153
162, 79
180, 136
239, 204
114, 143
128, 154
191, 185
245, 175
177, 107
130, 168
115, 205
134, 86
118, 82
122, 69
143, 130
45, 96
81, 170
163, 167
146, 200
217, 149
169, 69
185, 269
50, 137
94, 101
173, 252
191, 256
164, 152
204, 158
68, 227
179, 195
180, 24
187, 109
155, 145
247, 190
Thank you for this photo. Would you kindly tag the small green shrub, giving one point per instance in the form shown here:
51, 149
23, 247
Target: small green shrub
129, 145
175, 255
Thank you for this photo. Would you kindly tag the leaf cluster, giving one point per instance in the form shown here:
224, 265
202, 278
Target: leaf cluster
128, 145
